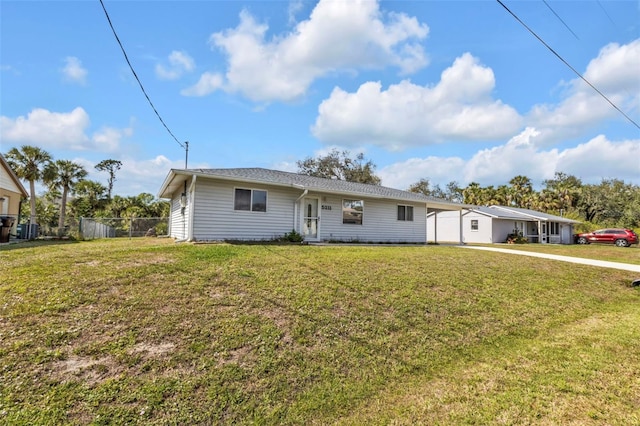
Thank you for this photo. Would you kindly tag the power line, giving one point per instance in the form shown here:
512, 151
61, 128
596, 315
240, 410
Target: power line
186, 144
568, 65
561, 20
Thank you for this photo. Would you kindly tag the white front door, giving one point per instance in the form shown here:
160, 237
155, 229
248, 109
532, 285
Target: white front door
311, 219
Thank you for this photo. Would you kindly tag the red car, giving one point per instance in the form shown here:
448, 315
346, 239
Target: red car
620, 237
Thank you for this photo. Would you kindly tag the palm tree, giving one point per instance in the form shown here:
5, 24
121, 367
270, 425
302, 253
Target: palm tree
472, 194
521, 191
29, 163
64, 174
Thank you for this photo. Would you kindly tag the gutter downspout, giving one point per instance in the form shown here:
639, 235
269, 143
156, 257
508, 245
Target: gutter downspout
295, 209
192, 198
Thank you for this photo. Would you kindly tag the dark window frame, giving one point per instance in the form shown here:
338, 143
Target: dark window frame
255, 203
405, 213
352, 216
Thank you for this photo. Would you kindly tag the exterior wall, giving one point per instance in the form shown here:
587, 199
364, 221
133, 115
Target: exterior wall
502, 228
10, 195
448, 227
379, 221
484, 234
214, 217
178, 219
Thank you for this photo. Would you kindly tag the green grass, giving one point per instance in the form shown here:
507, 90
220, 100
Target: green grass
146, 331
608, 252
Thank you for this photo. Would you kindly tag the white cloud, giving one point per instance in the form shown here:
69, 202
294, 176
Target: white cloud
137, 176
601, 158
179, 63
591, 161
339, 35
208, 83
73, 70
438, 170
51, 130
459, 107
615, 73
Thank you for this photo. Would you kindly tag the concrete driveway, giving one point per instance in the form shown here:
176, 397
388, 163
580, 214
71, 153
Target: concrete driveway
590, 262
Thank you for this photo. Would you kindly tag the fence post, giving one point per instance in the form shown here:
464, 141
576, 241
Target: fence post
130, 226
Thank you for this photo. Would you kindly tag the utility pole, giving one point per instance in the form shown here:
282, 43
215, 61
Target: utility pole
186, 153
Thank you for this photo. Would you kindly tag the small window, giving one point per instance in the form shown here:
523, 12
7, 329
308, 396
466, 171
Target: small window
250, 200
474, 224
352, 211
405, 213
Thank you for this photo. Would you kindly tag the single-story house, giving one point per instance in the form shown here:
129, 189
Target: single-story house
11, 193
494, 224
262, 204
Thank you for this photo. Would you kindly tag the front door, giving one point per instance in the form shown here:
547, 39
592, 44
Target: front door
311, 219
544, 233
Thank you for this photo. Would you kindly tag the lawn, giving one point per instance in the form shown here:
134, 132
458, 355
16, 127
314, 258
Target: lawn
146, 331
608, 252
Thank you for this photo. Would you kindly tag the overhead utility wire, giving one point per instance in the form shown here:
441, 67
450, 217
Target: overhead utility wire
568, 65
186, 144
560, 19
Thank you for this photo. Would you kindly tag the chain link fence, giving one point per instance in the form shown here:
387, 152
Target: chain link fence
112, 227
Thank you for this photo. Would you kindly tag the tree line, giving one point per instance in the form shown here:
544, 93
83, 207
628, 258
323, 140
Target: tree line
70, 195
610, 203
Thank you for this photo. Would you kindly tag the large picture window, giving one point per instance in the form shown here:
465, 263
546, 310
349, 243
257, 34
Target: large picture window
405, 213
250, 200
352, 211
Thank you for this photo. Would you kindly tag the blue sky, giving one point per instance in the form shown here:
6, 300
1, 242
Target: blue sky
442, 90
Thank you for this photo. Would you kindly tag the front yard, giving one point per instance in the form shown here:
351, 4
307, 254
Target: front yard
146, 331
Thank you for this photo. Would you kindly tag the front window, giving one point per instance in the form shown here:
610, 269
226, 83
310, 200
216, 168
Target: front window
250, 200
474, 224
405, 213
352, 211
555, 228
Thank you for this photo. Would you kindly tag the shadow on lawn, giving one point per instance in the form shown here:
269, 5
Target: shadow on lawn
34, 243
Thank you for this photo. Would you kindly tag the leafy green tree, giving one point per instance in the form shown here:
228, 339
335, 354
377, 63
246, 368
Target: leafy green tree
29, 163
65, 175
110, 166
454, 192
338, 165
90, 197
566, 189
423, 186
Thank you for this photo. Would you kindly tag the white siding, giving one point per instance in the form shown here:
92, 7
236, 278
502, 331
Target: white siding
484, 234
178, 221
448, 227
379, 224
216, 219
502, 228
7, 183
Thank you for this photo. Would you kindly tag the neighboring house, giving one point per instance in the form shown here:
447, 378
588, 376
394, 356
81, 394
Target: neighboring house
494, 224
261, 204
11, 193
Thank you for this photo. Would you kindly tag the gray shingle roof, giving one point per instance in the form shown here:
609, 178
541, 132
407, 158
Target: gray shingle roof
503, 212
277, 177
